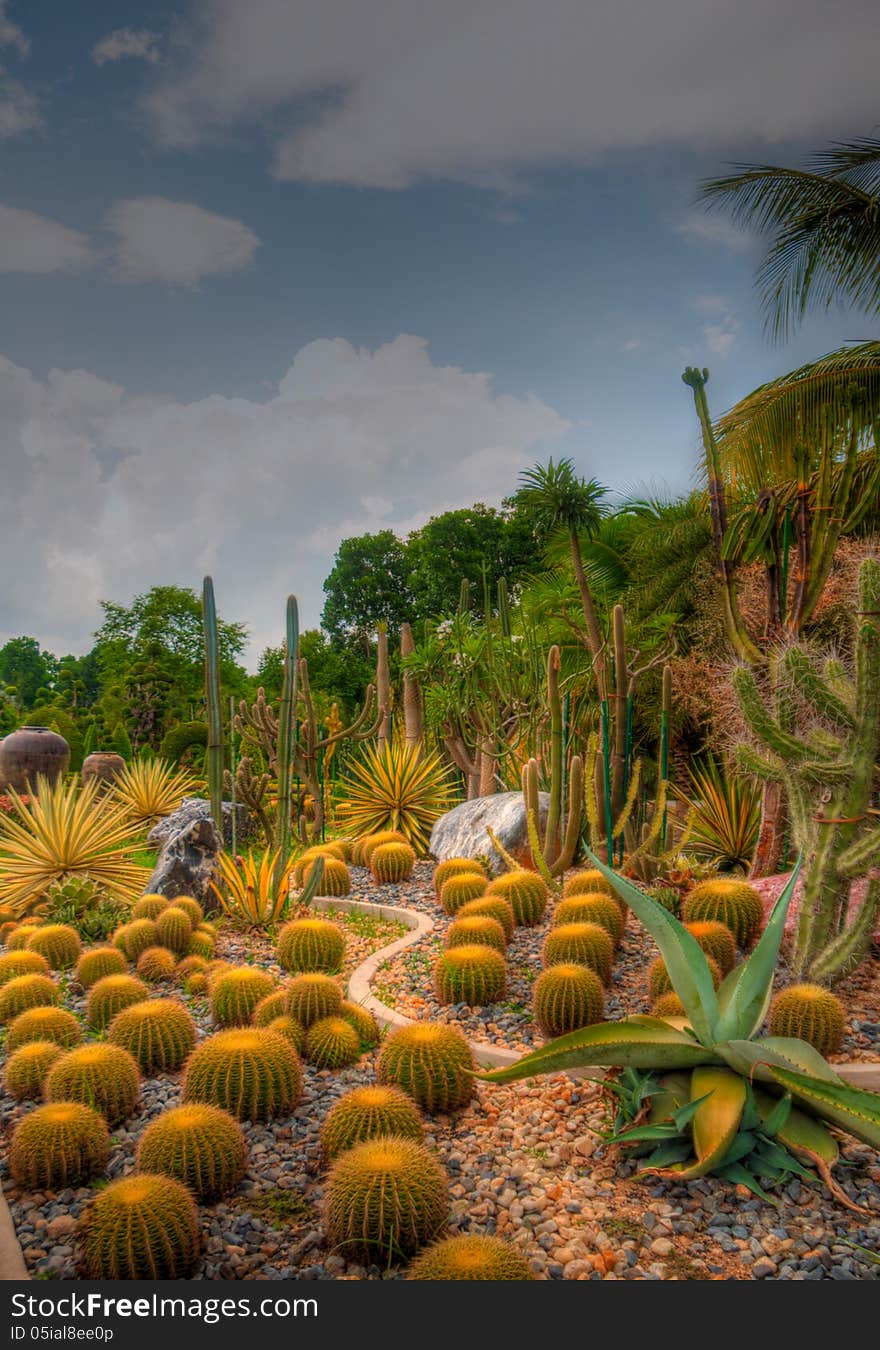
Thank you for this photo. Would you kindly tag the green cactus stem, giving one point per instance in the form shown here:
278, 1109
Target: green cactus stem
214, 751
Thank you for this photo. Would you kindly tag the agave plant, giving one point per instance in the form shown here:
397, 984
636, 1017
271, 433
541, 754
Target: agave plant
252, 891
726, 816
706, 1092
395, 788
147, 790
64, 832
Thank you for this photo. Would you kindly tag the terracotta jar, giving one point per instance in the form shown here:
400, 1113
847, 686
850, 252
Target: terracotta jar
31, 751
103, 765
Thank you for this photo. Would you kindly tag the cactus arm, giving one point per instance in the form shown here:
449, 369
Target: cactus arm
412, 694
285, 738
512, 863
530, 789
554, 812
310, 889
621, 692
212, 699
764, 726
845, 951
749, 761
591, 805
816, 690
575, 814
535, 846
627, 806
383, 684
862, 855
829, 522
356, 730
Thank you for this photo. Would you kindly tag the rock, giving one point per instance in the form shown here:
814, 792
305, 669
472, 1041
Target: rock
461, 832
187, 861
61, 1227
198, 808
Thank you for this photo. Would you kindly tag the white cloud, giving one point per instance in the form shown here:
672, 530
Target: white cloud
138, 43
175, 242
631, 344
32, 243
19, 109
259, 493
720, 337
706, 229
11, 35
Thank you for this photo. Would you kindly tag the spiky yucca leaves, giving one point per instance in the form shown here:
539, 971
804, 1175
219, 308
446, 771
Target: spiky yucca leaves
525, 892
585, 944
470, 1256
595, 908
102, 1076
458, 890
109, 995
199, 1145
312, 996
13, 964
725, 815
668, 1005
659, 982
236, 993
311, 945
94, 964
476, 975
385, 1198
392, 863
335, 878
370, 1113
251, 1072
363, 1022
202, 943
159, 1033
395, 787
43, 1024
454, 867
149, 906
175, 928
27, 991
148, 790
432, 1062
58, 943
567, 997
479, 929
27, 1067
331, 1043
254, 889
61, 1144
144, 1227
810, 1013
717, 940
135, 937
156, 964
733, 903
492, 907
288, 1027
588, 882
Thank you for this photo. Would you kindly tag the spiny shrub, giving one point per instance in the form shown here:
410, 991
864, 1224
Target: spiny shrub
144, 1227
44, 1024
159, 1033
190, 907
525, 892
456, 867
432, 1062
190, 965
474, 975
587, 882
149, 906
336, 879
290, 1029
235, 995
385, 1198
93, 965
199, 1145
26, 1069
135, 937
733, 903
809, 1013
374, 841
392, 863
175, 929
362, 1020
457, 890
202, 943
251, 1072
586, 944
369, 1113
311, 944
659, 982
102, 1076
492, 907
110, 995
668, 1005
27, 991
13, 964
156, 964
591, 908
272, 1006
310, 997
331, 1043
717, 940
567, 997
61, 1144
471, 1256
479, 929
58, 943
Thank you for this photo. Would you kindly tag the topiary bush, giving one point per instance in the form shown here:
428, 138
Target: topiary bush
156, 964
525, 892
95, 964
717, 941
733, 903
13, 964
160, 1034
456, 867
58, 943
251, 1072
27, 991
311, 945
809, 1013
236, 993
432, 1062
385, 1198
27, 1067
492, 907
363, 1022
175, 929
369, 1113
332, 1043
191, 907
567, 997
659, 982
43, 1024
135, 937
149, 906
592, 907
199, 1145
476, 975
290, 1029
392, 863
480, 930
312, 996
471, 1256
586, 944
109, 995
102, 1076
144, 1227
61, 1144
457, 890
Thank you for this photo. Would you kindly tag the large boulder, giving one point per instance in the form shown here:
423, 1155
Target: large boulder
461, 832
188, 861
198, 808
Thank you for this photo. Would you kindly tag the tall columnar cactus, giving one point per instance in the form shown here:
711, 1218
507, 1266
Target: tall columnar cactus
829, 778
383, 684
286, 737
413, 716
551, 855
214, 751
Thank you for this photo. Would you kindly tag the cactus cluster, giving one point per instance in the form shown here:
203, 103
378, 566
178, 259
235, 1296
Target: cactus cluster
144, 1227
432, 1062
586, 944
332, 1043
363, 1022
370, 1113
94, 964
456, 867
149, 906
26, 991
13, 964
525, 892
109, 995
199, 1145
17, 938
591, 907
236, 993
470, 1256
191, 907
374, 841
175, 929
43, 1024
252, 1073
202, 942
311, 945
809, 1013
159, 1033
58, 943
385, 1199
567, 997
336, 880
717, 941
492, 907
477, 929
659, 982
475, 975
156, 964
135, 937
457, 890
312, 996
736, 904
26, 1069
57, 1145
290, 1029
102, 1076
189, 966
392, 863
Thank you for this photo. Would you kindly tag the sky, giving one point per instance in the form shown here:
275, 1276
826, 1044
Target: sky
277, 272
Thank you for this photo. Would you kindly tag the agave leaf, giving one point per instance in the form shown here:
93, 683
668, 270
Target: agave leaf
685, 1114
673, 1092
673, 1151
685, 962
741, 1147
722, 1097
777, 1155
639, 1134
745, 993
644, 1044
738, 1174
796, 1130
774, 1113
854, 1110
755, 1058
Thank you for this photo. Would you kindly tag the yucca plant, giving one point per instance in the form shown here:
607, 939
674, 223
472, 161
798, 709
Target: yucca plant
64, 832
725, 815
250, 889
147, 790
704, 1093
395, 788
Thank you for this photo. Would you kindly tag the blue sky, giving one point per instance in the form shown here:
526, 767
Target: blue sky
276, 273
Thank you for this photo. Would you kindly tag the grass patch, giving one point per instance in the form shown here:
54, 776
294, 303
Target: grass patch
279, 1209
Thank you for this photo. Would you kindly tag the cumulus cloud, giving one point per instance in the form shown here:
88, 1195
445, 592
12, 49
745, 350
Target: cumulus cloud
714, 230
11, 35
19, 109
106, 494
137, 43
32, 243
175, 242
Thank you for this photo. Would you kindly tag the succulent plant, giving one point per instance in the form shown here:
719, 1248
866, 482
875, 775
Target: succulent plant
26, 1069
374, 841
457, 890
667, 896
58, 943
61, 1144
370, 1113
668, 1005
588, 882
135, 937
190, 965
190, 907
160, 1034
312, 996
493, 907
479, 930
470, 1256
455, 867
27, 991
149, 906
305, 860
733, 903
175, 929
156, 964
199, 1145
251, 1072
591, 908
476, 975
311, 945
43, 1024
272, 1006
432, 1062
659, 982
196, 984
812, 1014
567, 997
144, 1227
335, 880
384, 1199
525, 892
587, 944
99, 1075
332, 1043
290, 1029
202, 942
97, 962
717, 940
392, 863
362, 1020
13, 964
109, 995
236, 993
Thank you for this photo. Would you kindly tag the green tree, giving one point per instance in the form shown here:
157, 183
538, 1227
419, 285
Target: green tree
336, 672
25, 665
367, 584
477, 544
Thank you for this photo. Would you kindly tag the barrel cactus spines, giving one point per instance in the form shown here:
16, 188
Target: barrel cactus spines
201, 1146
370, 1113
457, 890
374, 841
304, 860
27, 991
332, 1043
7, 927
159, 1033
272, 1005
432, 1062
217, 968
99, 1075
156, 965
149, 906
312, 996
588, 882
475, 975
57, 1145
175, 929
17, 939
595, 908
717, 940
479, 929
196, 983
109, 995
667, 896
356, 857
809, 1013
288, 1027
144, 1227
492, 907
456, 867
668, 1005
43, 1024
362, 1020
385, 1199
251, 1072
135, 937
525, 892
189, 966
202, 943
586, 944
311, 945
736, 904
58, 943
392, 863
336, 879
189, 906
27, 1067
13, 964
659, 982
97, 962
470, 1256
235, 995
567, 997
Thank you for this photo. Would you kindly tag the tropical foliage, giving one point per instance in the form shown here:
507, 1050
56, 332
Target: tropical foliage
395, 788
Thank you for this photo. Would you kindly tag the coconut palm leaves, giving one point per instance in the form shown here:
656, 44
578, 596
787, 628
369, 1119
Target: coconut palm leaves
395, 788
147, 790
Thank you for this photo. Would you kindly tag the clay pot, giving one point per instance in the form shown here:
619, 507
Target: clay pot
31, 751
103, 765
